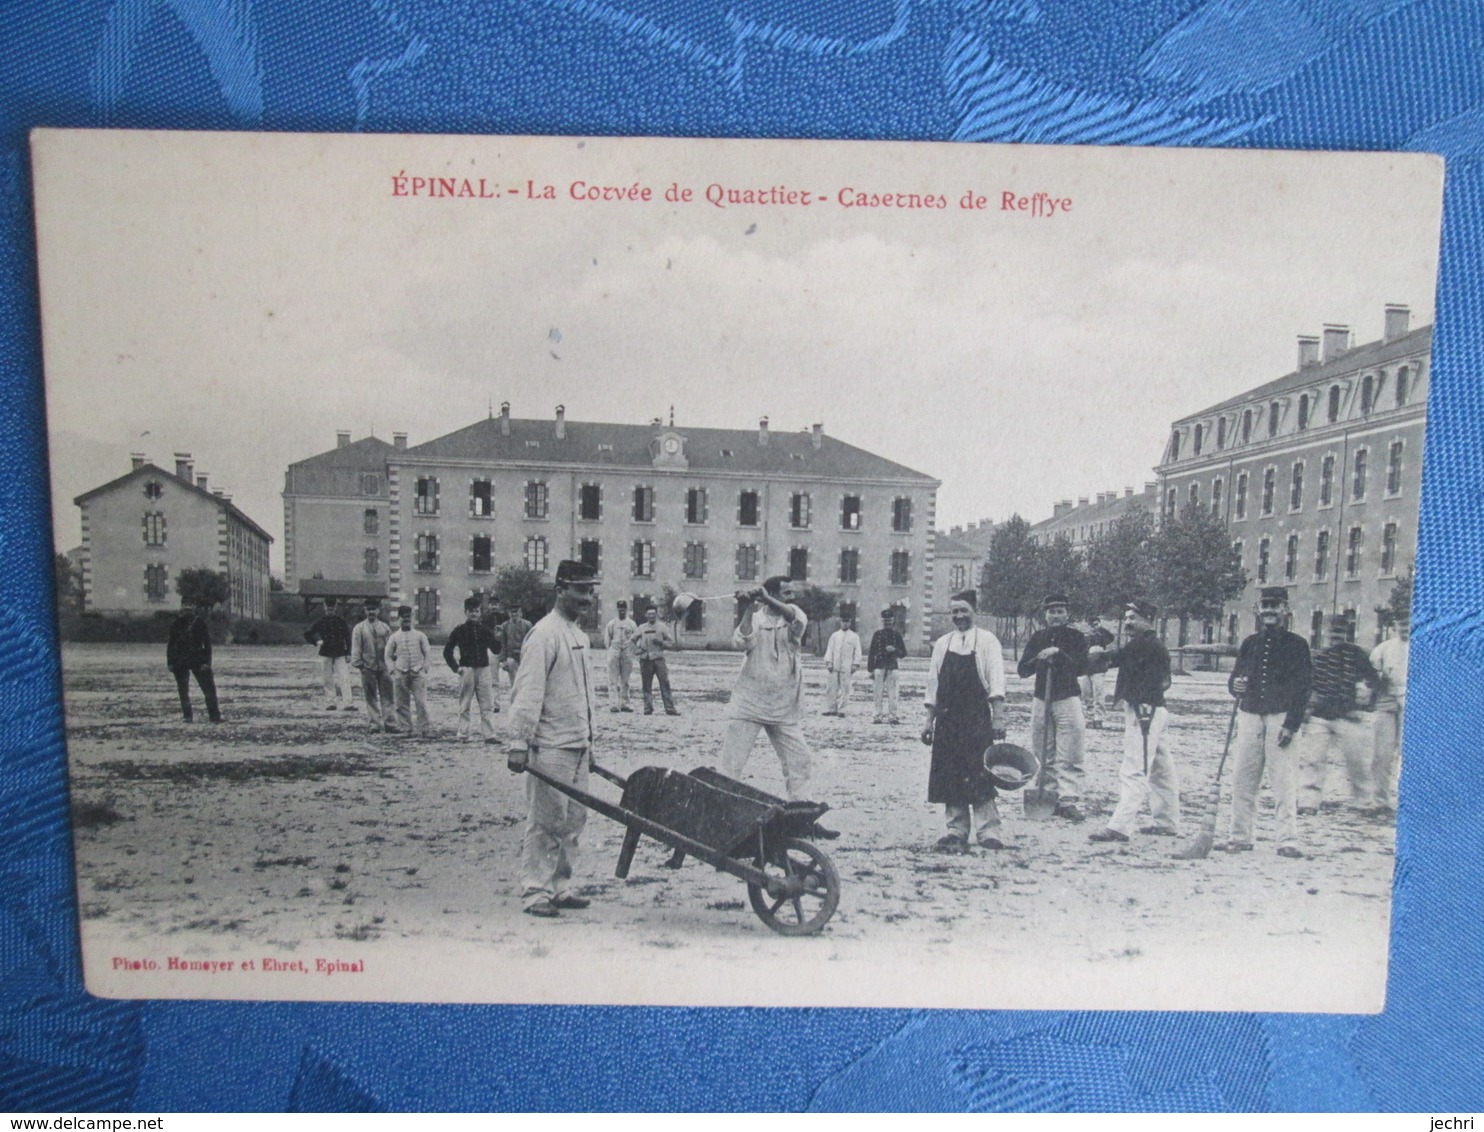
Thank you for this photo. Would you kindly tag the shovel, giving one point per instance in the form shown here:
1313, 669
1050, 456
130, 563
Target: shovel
1041, 803
1200, 848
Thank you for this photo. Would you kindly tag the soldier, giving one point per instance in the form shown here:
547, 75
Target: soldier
512, 636
467, 654
188, 654
368, 657
409, 658
1390, 660
654, 638
1057, 656
551, 725
619, 639
1335, 721
1271, 681
1148, 771
1098, 638
887, 649
332, 635
841, 658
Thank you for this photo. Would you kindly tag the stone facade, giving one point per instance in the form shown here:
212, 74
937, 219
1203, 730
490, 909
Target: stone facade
336, 520
1317, 475
141, 530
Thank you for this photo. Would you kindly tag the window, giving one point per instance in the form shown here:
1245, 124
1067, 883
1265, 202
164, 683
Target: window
371, 561
850, 513
590, 502
798, 511
427, 607
1321, 556
747, 509
901, 567
1273, 409
1238, 548
1264, 556
154, 529
536, 553
798, 563
1303, 413
695, 560
641, 560
850, 565
695, 617
1296, 486
958, 577
1217, 487
1195, 494
1327, 481
1290, 558
1394, 468
1388, 549
371, 522
643, 504
1196, 439
590, 554
1172, 503
1358, 480
152, 489
536, 500
1175, 445
1241, 503
1221, 432
1352, 553
1367, 395
1246, 425
747, 562
901, 514
1334, 403
1316, 629
156, 576
481, 554
481, 499
1401, 386
1231, 629
425, 496
1269, 480
370, 483
425, 552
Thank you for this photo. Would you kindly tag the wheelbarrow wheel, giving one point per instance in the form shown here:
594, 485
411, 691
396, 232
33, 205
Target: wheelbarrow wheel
802, 890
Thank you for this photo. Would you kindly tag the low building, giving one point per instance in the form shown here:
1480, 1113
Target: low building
141, 530
1317, 476
1087, 519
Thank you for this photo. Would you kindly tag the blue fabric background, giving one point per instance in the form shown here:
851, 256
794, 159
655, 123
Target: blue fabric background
1332, 74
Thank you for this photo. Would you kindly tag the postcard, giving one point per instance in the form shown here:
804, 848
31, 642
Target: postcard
714, 572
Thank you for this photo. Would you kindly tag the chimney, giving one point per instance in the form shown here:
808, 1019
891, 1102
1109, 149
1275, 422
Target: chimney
1149, 486
1128, 492
1397, 317
342, 440
399, 440
1102, 498
1060, 508
1082, 501
817, 435
136, 460
762, 433
201, 481
504, 418
1308, 351
561, 422
1336, 340
183, 468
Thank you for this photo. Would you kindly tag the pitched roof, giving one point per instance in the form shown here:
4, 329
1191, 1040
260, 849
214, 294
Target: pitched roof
369, 453
1371, 354
338, 471
946, 547
625, 445
154, 469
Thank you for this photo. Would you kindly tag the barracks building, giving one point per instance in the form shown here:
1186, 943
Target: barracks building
702, 510
1316, 475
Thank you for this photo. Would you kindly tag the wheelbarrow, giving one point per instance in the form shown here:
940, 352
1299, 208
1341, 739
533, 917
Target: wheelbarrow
760, 839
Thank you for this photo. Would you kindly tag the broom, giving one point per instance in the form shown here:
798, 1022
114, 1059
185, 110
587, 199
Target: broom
1200, 848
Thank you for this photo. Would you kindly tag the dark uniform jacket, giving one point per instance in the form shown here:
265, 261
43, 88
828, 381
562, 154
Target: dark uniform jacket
1143, 670
1066, 669
190, 643
473, 643
1276, 664
876, 657
332, 635
1337, 670
1099, 636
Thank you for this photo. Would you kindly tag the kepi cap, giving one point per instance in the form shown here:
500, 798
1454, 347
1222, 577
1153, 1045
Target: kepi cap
569, 572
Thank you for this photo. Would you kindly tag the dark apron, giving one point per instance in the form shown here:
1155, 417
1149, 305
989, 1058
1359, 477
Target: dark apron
961, 732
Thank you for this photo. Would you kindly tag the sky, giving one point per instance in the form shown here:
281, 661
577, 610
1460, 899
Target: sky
243, 297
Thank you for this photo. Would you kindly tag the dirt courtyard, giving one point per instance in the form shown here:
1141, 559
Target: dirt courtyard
292, 853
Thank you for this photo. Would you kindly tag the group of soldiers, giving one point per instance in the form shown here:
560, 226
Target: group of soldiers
1280, 692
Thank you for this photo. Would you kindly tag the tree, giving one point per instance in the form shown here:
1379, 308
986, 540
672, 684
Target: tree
519, 587
668, 594
1398, 607
201, 585
819, 606
1119, 563
1009, 578
69, 584
1059, 570
1196, 570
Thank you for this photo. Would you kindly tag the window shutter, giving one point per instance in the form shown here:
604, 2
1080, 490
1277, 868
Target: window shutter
705, 503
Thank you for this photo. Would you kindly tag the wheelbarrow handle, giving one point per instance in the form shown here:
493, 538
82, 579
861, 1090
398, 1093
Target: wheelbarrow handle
603, 772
